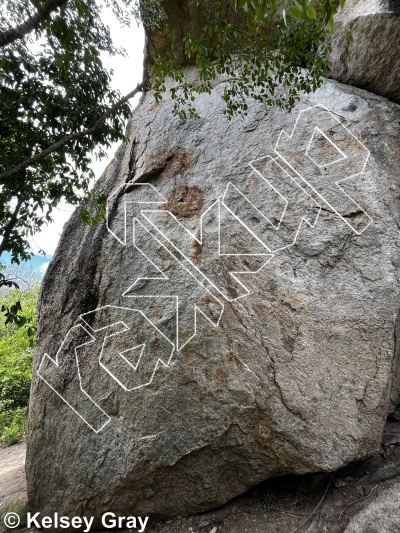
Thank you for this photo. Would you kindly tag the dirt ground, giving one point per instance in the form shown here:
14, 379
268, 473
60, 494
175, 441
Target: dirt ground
314, 503
12, 474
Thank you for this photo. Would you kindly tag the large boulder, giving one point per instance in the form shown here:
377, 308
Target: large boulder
366, 46
172, 384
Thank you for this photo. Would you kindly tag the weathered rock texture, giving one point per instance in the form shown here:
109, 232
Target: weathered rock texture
372, 60
381, 514
295, 377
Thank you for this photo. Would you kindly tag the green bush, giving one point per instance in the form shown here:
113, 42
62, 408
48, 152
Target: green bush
17, 506
16, 366
12, 425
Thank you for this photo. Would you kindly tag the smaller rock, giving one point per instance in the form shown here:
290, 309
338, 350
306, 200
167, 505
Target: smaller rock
366, 47
383, 511
204, 522
339, 483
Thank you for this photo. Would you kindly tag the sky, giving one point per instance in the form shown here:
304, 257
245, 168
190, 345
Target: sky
127, 74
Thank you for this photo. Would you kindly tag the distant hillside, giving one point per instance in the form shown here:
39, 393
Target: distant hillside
37, 262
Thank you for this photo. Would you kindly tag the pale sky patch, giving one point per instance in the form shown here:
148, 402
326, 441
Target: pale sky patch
127, 74
42, 269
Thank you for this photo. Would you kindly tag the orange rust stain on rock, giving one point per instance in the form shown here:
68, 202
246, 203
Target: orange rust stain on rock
234, 358
166, 163
245, 400
154, 106
322, 143
196, 252
185, 202
173, 161
221, 377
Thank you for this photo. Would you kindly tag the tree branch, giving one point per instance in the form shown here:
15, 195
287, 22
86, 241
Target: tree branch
62, 142
10, 226
11, 35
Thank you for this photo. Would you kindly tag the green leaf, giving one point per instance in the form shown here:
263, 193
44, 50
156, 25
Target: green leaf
331, 23
296, 13
311, 13
261, 10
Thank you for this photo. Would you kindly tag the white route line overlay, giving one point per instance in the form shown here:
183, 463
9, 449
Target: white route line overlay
55, 361
150, 191
367, 152
162, 201
206, 281
127, 328
275, 226
171, 296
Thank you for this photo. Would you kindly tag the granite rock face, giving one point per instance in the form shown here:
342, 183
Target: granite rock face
383, 512
171, 382
371, 60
